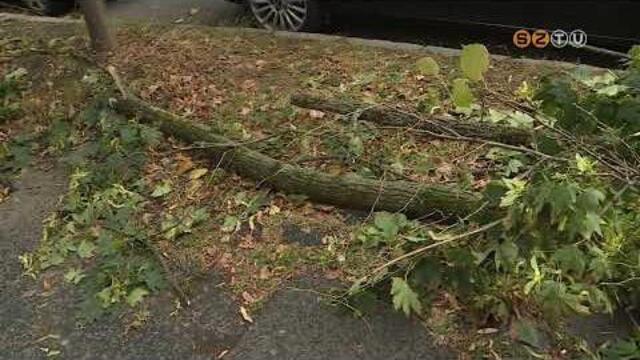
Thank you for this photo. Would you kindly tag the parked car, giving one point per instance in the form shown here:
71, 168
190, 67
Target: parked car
50, 7
603, 20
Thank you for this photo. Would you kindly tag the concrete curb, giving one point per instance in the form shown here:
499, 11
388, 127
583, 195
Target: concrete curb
379, 44
41, 19
403, 46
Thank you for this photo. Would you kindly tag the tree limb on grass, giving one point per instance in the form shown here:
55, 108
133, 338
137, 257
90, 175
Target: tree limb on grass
388, 116
346, 191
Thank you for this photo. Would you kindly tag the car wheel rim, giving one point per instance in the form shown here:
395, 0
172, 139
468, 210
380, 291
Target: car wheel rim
280, 14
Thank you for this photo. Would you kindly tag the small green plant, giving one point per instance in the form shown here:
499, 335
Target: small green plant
389, 229
562, 233
101, 237
249, 205
623, 349
11, 87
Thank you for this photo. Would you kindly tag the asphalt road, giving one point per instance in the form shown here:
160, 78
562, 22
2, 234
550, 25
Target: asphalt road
205, 12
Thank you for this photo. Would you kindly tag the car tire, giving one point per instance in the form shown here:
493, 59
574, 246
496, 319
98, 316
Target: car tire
50, 7
287, 15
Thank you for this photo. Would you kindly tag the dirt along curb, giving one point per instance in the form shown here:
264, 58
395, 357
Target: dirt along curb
372, 43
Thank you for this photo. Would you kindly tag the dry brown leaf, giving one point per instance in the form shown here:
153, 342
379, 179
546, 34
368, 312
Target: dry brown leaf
198, 173
316, 114
184, 164
248, 298
245, 315
264, 274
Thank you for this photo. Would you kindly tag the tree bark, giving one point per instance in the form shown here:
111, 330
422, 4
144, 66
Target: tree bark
387, 116
346, 191
102, 40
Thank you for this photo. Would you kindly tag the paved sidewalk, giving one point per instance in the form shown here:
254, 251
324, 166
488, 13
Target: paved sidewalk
295, 324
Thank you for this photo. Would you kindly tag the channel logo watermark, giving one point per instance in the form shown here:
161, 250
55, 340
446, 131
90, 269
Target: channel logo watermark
542, 38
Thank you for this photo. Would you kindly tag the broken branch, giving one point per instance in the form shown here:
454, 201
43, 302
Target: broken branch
347, 191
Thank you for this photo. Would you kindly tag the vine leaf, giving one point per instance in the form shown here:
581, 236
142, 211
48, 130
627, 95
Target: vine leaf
86, 249
585, 165
74, 276
427, 66
516, 188
591, 225
230, 224
162, 189
526, 332
474, 61
136, 296
571, 260
506, 254
461, 93
404, 298
388, 223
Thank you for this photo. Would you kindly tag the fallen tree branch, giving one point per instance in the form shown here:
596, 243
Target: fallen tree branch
347, 191
383, 115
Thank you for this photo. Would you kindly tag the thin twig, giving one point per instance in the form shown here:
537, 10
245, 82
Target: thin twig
483, 141
117, 80
205, 145
380, 190
445, 240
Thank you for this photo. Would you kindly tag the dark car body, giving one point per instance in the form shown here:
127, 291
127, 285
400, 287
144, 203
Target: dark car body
604, 21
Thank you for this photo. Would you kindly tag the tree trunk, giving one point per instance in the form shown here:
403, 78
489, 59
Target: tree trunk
439, 125
94, 12
347, 191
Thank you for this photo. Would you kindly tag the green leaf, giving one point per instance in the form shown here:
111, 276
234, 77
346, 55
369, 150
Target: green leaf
612, 90
526, 332
427, 66
162, 189
520, 120
17, 74
150, 135
608, 78
389, 224
622, 349
230, 224
496, 116
404, 298
198, 173
86, 249
590, 200
136, 296
74, 276
516, 188
634, 53
427, 273
199, 216
571, 260
506, 254
562, 198
591, 224
461, 93
474, 61
585, 165
356, 146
